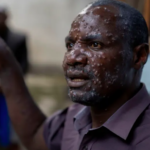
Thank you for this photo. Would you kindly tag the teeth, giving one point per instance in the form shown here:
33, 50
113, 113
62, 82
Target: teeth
78, 80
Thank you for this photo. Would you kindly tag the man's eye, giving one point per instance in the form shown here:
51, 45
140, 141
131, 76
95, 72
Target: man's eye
96, 45
69, 46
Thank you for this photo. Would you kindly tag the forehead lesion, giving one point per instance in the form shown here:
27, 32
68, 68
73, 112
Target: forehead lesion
96, 20
106, 9
102, 14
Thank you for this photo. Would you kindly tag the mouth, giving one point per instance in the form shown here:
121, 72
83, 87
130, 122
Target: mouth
77, 79
76, 83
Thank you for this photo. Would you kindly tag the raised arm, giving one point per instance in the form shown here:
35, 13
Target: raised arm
26, 117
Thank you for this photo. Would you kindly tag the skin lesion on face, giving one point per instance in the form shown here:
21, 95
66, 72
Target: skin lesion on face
94, 61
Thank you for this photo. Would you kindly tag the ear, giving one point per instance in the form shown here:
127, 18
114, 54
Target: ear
141, 53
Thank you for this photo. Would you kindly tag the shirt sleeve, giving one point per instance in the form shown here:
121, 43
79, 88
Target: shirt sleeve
53, 128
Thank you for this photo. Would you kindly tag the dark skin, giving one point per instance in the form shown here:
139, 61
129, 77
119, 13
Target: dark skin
96, 61
26, 117
91, 54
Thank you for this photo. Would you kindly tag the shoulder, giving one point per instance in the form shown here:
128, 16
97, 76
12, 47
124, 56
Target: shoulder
57, 121
141, 133
60, 116
55, 118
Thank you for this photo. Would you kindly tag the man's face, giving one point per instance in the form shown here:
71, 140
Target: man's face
97, 64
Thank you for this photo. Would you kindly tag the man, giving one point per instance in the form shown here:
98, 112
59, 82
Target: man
17, 43
106, 51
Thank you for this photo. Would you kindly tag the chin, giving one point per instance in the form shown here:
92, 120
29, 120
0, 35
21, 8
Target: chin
87, 98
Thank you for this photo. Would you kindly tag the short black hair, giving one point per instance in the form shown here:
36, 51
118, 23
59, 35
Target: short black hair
132, 21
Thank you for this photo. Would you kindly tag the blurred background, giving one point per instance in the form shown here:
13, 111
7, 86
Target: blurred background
45, 24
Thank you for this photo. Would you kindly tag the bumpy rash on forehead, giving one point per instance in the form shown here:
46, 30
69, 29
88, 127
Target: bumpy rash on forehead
96, 20
105, 11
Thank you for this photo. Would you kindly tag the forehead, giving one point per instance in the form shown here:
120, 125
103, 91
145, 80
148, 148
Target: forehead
100, 18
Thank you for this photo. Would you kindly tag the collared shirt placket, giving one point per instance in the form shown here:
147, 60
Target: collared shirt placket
87, 142
89, 139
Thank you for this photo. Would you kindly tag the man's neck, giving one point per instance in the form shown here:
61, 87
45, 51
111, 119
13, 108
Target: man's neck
100, 116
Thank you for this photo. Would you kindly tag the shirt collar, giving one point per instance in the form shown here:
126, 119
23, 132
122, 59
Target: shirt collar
122, 121
82, 118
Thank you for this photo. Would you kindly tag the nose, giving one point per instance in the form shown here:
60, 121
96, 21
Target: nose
76, 59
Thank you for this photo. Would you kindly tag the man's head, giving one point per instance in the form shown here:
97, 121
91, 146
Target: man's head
3, 17
106, 51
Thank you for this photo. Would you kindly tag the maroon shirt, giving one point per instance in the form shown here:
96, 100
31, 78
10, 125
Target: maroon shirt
127, 129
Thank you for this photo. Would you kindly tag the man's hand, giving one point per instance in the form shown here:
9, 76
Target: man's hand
26, 117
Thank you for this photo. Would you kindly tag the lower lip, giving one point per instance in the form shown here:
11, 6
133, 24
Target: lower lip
76, 84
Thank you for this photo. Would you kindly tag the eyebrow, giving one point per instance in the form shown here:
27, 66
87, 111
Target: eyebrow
92, 37
69, 38
86, 38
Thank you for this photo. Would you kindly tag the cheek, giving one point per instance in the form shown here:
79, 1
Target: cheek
106, 70
98, 62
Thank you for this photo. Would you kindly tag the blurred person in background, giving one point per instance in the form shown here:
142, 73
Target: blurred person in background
16, 41
17, 44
